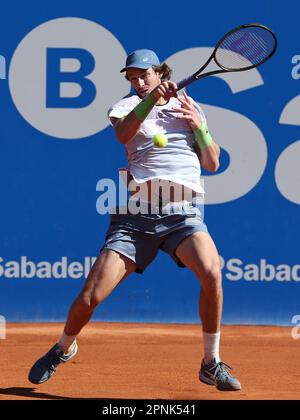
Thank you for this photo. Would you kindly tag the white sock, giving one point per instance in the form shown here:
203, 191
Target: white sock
211, 347
67, 342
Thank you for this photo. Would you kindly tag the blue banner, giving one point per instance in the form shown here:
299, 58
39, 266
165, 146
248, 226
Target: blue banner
60, 73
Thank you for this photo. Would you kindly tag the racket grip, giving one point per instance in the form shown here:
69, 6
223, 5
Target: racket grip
185, 82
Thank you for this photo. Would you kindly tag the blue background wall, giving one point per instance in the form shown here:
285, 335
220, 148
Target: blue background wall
48, 183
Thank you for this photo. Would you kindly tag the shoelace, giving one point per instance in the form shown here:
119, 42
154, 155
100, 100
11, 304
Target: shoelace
222, 369
52, 364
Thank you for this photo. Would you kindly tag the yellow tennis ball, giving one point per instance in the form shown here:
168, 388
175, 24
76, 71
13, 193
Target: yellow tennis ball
160, 140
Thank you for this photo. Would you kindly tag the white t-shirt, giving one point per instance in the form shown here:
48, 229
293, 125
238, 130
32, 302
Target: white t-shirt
178, 161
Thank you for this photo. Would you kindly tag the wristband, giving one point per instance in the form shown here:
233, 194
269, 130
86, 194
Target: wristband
203, 137
142, 110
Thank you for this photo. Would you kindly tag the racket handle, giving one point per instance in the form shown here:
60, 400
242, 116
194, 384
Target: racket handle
185, 82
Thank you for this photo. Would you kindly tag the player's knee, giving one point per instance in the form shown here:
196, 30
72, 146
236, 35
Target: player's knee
83, 305
97, 297
99, 294
88, 299
212, 283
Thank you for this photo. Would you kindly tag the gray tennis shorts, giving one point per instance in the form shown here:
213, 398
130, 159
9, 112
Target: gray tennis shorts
140, 237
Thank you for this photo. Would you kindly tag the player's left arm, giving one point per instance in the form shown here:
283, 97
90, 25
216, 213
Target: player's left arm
209, 157
207, 150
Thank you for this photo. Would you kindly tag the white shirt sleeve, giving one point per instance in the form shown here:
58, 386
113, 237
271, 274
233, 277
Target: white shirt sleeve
122, 108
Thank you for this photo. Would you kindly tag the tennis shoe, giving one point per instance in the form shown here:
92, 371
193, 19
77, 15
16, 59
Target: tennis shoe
217, 374
46, 366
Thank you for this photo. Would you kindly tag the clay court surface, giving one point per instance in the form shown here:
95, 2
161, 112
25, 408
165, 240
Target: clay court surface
142, 361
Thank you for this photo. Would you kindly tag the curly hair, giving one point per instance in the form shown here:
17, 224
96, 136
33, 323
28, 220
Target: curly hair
164, 69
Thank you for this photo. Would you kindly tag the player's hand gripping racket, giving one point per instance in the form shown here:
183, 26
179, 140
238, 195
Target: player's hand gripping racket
241, 49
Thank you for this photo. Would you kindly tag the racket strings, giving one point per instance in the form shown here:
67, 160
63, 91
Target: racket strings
245, 48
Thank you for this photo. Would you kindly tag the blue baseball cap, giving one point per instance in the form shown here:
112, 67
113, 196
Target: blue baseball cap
141, 59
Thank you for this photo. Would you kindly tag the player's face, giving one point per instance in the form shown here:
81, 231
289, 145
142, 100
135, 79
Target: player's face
143, 81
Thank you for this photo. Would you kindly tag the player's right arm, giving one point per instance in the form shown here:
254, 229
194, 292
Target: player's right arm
126, 128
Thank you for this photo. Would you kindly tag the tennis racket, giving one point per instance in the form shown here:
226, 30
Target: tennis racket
243, 48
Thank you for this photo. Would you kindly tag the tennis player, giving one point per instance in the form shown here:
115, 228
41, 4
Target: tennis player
173, 224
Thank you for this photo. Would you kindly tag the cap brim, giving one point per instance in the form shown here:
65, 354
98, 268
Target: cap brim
143, 66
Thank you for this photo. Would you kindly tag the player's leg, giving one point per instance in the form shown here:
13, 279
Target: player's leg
198, 252
110, 269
